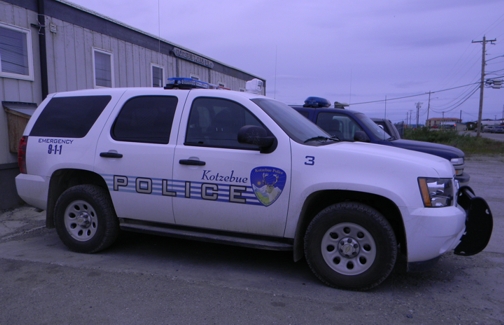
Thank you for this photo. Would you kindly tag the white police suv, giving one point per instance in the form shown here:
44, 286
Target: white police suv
242, 169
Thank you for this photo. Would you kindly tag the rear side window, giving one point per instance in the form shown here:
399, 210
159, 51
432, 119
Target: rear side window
145, 119
69, 117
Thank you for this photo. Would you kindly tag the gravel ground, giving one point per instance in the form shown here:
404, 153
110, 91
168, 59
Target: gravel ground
158, 280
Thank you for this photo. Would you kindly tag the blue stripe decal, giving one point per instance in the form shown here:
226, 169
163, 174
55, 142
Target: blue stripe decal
217, 192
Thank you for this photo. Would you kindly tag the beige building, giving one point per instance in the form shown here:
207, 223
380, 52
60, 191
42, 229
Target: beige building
50, 46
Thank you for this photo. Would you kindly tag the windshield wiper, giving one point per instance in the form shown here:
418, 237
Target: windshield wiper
322, 138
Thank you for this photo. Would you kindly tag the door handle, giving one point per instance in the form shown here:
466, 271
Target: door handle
192, 162
111, 154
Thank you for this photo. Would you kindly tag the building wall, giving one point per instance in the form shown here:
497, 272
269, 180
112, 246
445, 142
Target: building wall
71, 34
70, 55
17, 90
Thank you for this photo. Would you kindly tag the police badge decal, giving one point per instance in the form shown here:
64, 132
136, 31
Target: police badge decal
267, 183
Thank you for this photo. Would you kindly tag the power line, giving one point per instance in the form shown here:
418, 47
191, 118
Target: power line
457, 104
410, 96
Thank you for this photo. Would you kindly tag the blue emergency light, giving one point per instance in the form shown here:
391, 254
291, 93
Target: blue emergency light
316, 102
186, 83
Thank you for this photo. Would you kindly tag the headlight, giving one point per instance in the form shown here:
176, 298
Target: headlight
436, 192
457, 161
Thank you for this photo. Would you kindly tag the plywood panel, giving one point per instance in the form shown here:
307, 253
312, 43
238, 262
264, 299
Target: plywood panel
59, 58
11, 90
70, 59
121, 64
129, 65
6, 13
81, 67
143, 63
136, 66
88, 57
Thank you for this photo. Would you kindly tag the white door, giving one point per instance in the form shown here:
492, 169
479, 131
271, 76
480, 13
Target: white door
135, 156
222, 184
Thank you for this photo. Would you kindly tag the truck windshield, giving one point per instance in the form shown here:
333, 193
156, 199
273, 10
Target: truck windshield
374, 128
297, 127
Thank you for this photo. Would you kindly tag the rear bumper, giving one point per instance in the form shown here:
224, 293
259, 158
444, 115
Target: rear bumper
479, 223
32, 189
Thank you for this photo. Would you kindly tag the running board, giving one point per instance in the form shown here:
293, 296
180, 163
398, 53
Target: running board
267, 243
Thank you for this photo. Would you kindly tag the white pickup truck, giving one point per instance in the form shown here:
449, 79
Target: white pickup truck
240, 169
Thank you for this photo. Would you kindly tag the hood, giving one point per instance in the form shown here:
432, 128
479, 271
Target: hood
442, 150
367, 167
378, 156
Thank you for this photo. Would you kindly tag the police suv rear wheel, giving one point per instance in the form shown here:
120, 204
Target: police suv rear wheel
350, 246
85, 219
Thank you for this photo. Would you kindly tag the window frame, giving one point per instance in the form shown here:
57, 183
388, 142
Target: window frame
157, 66
29, 50
111, 56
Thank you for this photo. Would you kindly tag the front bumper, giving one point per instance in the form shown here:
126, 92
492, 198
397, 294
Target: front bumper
479, 223
463, 178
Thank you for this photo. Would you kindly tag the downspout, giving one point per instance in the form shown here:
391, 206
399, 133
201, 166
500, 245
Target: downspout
42, 49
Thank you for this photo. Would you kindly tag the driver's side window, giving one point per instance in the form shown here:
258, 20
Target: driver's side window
215, 122
340, 126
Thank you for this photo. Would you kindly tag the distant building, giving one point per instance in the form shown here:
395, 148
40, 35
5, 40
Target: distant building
438, 122
50, 46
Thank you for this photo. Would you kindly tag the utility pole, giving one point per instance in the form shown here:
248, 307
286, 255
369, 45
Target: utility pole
482, 82
418, 105
385, 107
428, 108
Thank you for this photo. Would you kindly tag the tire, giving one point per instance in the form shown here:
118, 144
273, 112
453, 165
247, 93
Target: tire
85, 220
350, 246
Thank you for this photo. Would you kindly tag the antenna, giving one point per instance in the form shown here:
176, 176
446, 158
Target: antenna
159, 27
276, 60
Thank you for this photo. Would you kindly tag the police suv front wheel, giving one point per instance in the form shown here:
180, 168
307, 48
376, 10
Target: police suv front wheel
85, 219
350, 246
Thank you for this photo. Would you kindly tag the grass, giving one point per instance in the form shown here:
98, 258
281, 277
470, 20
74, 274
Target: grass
469, 143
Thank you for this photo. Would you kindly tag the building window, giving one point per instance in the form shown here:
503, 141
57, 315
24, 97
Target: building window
16, 57
157, 76
102, 69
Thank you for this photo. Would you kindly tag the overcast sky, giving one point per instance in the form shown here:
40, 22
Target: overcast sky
351, 51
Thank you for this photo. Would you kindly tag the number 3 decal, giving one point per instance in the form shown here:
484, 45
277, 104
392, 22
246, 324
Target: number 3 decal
310, 160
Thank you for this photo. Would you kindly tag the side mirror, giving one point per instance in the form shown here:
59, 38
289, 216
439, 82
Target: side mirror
256, 135
361, 136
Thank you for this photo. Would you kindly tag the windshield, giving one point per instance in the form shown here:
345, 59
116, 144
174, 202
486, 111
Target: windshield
294, 124
375, 129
